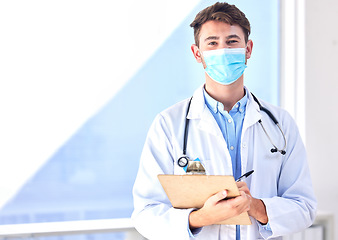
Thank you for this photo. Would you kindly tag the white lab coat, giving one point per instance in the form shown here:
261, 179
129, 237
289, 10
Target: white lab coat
282, 182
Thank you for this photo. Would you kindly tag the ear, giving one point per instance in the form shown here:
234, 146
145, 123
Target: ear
249, 47
197, 53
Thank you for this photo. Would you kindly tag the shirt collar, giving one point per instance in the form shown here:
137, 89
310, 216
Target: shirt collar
216, 106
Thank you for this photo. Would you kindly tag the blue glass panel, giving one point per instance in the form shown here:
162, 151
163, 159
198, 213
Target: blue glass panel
92, 174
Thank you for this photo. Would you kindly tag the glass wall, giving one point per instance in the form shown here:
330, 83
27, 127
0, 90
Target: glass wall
76, 149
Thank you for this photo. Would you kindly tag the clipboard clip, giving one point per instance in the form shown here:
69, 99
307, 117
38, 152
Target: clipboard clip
195, 167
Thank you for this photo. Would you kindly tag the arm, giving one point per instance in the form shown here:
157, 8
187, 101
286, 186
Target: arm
285, 187
294, 207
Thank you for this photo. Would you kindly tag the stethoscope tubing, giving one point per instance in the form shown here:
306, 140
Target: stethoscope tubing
273, 118
185, 139
282, 151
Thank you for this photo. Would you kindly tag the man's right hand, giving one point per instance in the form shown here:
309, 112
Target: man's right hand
217, 209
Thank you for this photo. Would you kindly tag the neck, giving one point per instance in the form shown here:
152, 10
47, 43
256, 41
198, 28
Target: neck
228, 95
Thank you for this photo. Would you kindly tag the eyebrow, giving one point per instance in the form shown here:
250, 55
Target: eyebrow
211, 38
233, 36
217, 38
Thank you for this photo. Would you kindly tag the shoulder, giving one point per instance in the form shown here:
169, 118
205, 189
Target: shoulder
176, 111
180, 108
280, 113
286, 121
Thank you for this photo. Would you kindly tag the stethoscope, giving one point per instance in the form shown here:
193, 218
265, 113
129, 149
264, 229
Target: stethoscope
184, 159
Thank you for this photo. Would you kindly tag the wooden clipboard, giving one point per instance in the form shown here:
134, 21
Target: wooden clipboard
191, 191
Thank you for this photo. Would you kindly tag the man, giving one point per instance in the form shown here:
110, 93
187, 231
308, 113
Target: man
226, 135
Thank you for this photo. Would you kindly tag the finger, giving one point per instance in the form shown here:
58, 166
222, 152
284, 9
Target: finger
244, 195
247, 198
243, 187
219, 196
240, 184
239, 200
239, 204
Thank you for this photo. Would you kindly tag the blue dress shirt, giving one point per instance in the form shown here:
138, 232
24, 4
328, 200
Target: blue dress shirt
231, 124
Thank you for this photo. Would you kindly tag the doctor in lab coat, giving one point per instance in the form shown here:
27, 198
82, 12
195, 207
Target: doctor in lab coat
278, 195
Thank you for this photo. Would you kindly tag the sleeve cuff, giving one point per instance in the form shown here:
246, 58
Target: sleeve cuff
193, 232
265, 230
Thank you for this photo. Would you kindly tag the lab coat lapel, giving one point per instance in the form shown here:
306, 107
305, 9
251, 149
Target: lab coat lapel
209, 124
252, 114
206, 123
198, 110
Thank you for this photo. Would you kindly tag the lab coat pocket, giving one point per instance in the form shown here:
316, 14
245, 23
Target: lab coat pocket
178, 170
215, 167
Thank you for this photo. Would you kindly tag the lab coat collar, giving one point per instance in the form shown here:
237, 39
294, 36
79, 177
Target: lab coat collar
199, 110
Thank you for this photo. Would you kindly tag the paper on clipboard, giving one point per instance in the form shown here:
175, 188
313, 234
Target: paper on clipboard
191, 191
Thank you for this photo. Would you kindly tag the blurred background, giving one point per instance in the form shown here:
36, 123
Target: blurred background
81, 82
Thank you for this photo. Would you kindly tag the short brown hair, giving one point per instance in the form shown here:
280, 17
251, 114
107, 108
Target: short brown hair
223, 12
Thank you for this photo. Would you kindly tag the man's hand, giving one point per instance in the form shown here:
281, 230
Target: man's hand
257, 208
217, 209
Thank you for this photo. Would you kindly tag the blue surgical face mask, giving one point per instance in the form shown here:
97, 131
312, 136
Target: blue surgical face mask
225, 65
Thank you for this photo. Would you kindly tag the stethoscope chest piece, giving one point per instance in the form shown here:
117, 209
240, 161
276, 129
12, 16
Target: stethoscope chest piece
183, 161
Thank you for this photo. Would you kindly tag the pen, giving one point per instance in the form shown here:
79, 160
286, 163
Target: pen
245, 175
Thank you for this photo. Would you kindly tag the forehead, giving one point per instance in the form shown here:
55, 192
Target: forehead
220, 29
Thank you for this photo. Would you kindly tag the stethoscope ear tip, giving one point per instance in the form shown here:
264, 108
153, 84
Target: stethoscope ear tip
273, 150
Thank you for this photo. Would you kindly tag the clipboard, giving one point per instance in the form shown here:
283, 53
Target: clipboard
191, 191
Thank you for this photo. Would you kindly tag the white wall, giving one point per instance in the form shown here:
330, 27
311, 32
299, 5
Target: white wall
321, 49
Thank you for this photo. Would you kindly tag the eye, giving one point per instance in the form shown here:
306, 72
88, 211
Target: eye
212, 43
233, 41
